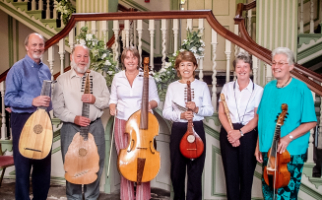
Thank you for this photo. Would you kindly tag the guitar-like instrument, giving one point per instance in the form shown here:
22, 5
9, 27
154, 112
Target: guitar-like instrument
37, 134
191, 145
82, 159
140, 162
276, 174
223, 100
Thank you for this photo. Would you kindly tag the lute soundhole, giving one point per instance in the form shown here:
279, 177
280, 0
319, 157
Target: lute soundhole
82, 152
38, 129
191, 138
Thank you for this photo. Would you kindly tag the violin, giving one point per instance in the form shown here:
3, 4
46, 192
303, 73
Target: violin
140, 162
276, 174
191, 145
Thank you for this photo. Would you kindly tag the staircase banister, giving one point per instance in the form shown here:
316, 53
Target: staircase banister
244, 7
3, 76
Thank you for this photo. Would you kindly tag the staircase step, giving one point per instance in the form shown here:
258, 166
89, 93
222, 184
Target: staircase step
37, 14
51, 23
22, 5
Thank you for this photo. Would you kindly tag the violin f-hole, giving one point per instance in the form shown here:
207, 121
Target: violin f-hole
151, 145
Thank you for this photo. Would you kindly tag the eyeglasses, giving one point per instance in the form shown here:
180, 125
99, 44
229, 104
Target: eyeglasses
278, 64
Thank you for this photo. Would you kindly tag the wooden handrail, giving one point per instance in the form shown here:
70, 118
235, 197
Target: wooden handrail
244, 7
57, 74
4, 75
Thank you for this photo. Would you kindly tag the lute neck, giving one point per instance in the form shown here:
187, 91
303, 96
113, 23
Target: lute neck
45, 91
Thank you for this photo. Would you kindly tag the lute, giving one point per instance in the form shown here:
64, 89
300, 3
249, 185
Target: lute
82, 159
37, 134
191, 145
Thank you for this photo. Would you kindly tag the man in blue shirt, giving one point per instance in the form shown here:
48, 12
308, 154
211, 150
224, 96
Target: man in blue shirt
23, 87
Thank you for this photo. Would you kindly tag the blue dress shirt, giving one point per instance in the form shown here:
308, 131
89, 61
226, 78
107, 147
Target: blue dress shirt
24, 83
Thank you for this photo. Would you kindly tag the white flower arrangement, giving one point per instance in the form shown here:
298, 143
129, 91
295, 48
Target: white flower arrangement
101, 57
167, 74
66, 8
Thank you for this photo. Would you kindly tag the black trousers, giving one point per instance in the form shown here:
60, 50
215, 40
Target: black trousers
179, 163
41, 168
239, 164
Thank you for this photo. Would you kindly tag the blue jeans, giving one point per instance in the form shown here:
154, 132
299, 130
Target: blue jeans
41, 168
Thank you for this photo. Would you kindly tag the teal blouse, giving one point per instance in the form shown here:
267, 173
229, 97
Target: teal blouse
301, 109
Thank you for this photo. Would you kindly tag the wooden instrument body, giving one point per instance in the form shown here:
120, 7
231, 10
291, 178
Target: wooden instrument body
140, 145
282, 176
191, 145
81, 160
36, 136
276, 174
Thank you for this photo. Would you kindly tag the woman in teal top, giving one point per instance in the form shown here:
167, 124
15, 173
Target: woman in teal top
295, 130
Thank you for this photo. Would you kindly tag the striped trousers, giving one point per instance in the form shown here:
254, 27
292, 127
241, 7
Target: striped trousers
127, 187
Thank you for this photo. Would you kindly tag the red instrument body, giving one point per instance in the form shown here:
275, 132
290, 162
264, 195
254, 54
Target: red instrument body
276, 174
191, 145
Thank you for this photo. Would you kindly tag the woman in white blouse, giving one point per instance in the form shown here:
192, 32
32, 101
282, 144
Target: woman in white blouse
238, 144
201, 106
126, 93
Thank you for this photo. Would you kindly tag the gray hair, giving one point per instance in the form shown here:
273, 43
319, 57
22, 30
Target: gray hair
244, 56
285, 51
28, 36
80, 45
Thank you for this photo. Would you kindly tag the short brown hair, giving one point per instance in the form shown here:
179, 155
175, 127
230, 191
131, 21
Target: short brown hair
134, 52
185, 56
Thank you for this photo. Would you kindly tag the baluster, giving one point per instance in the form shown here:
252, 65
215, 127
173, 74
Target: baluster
268, 73
48, 10
301, 18
175, 34
71, 38
127, 32
93, 27
51, 59
116, 29
255, 68
311, 146
312, 18
123, 38
33, 5
61, 53
19, 1
189, 24
40, 5
135, 33
249, 27
81, 24
104, 29
3, 112
131, 33
164, 40
55, 15
140, 29
201, 29
214, 42
151, 29
228, 52
236, 31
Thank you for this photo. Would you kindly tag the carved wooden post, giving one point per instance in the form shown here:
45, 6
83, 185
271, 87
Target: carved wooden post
268, 73
151, 29
228, 52
48, 10
116, 29
312, 18
62, 54
301, 18
40, 5
201, 29
71, 38
175, 34
164, 40
214, 42
3, 112
127, 32
140, 30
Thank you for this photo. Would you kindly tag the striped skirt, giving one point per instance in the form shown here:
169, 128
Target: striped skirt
127, 187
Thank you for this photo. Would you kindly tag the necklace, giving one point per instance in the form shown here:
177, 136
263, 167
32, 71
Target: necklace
285, 84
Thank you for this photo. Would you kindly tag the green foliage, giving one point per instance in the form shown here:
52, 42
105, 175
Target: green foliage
66, 8
101, 57
167, 74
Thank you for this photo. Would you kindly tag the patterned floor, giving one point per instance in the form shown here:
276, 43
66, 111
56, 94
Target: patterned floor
57, 192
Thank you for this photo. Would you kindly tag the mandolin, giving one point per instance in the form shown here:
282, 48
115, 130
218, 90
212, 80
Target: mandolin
191, 145
82, 159
140, 162
276, 174
37, 134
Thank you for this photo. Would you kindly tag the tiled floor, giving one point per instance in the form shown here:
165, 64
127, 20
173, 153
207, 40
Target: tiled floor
57, 192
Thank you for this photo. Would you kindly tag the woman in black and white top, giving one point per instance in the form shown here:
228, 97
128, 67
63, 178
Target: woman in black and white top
201, 106
238, 144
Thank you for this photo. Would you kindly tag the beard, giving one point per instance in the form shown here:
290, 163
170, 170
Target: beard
78, 69
37, 55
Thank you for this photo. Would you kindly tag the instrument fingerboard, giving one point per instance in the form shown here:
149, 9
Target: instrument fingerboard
87, 87
45, 90
192, 94
145, 96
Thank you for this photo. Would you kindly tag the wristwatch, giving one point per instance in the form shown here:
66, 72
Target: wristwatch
241, 132
291, 137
